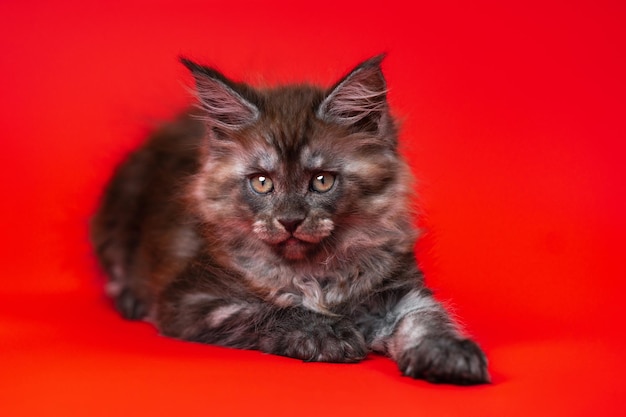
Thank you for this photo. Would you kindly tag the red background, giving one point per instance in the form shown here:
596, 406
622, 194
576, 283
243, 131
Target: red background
512, 118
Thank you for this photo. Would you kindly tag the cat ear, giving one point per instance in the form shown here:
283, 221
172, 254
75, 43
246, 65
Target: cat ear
225, 108
359, 99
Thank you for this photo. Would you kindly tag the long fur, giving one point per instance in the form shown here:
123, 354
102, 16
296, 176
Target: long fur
327, 275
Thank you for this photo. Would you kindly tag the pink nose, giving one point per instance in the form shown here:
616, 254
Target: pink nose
290, 225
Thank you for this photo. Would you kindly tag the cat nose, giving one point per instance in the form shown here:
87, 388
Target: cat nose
291, 224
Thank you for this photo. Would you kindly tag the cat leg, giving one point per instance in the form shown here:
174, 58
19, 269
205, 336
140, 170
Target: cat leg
417, 332
115, 235
120, 289
129, 292
294, 331
300, 333
130, 305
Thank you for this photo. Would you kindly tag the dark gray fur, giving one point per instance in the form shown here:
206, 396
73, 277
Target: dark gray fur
188, 243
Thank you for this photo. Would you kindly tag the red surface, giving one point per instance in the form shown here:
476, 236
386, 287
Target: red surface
513, 120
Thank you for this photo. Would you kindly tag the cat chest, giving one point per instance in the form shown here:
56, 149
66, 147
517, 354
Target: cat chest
323, 294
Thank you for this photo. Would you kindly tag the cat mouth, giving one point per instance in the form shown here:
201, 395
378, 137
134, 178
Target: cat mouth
292, 241
298, 239
294, 248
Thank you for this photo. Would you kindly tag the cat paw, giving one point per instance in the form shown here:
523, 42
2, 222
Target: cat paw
325, 342
130, 306
445, 360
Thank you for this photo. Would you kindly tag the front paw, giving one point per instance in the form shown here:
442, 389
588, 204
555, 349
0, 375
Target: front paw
445, 359
337, 341
130, 306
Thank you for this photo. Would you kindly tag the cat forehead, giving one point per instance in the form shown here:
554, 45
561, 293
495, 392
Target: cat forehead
288, 100
289, 131
309, 157
287, 112
288, 126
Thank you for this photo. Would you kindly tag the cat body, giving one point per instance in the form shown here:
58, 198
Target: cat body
279, 220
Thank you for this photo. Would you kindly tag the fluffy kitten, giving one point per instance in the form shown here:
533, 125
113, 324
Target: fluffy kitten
279, 220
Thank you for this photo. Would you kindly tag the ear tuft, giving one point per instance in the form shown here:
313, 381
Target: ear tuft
359, 99
225, 107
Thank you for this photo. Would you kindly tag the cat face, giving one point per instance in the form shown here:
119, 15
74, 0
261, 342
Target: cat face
293, 208
294, 168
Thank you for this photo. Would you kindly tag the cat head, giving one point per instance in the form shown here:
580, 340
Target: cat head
299, 170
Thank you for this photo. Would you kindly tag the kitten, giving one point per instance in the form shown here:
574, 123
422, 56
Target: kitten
279, 220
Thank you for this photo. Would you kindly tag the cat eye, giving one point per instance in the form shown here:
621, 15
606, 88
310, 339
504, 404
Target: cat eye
322, 182
262, 184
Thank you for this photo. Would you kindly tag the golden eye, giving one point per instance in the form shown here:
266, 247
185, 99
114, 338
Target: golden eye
262, 184
322, 182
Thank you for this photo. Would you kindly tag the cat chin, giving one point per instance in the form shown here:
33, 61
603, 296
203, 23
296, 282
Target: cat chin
293, 249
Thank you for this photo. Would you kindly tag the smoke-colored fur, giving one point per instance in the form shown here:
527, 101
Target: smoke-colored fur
320, 275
